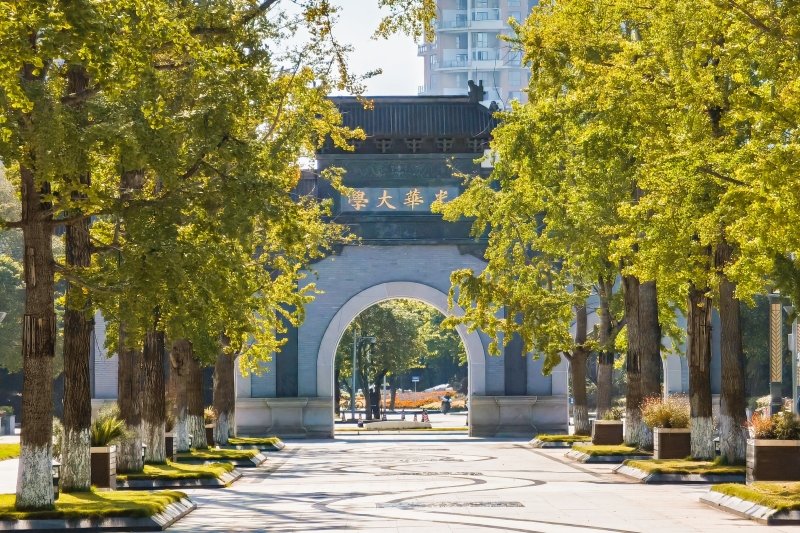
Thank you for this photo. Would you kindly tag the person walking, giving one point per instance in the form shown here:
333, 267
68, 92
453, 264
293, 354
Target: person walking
360, 421
425, 416
403, 414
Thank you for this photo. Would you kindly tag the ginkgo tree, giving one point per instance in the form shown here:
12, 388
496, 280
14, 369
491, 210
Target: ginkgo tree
110, 106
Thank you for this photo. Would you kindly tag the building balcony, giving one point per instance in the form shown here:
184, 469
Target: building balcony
453, 64
488, 24
458, 24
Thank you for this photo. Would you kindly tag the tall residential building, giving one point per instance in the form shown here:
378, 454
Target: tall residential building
467, 46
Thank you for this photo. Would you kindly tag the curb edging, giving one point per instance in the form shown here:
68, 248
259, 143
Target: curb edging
650, 478
753, 511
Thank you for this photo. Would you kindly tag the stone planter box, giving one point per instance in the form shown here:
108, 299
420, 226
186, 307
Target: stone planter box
773, 460
607, 432
170, 446
210, 434
104, 467
671, 443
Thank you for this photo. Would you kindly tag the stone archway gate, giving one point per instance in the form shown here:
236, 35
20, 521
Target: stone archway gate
414, 145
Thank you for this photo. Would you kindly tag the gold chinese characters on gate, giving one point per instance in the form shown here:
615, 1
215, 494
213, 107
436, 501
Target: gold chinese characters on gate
390, 199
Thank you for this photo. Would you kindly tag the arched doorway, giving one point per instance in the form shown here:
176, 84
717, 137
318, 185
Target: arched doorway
389, 291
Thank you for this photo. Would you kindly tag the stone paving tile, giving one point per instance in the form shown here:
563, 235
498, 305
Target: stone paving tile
336, 485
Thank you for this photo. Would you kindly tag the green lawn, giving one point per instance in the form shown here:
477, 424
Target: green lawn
609, 450
210, 454
564, 438
95, 505
781, 496
9, 451
682, 466
178, 471
255, 441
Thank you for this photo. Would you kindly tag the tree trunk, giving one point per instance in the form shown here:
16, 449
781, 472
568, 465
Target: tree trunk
605, 360
650, 350
129, 376
34, 476
129, 399
76, 448
698, 353
732, 404
195, 418
154, 409
179, 369
580, 409
635, 429
75, 452
225, 397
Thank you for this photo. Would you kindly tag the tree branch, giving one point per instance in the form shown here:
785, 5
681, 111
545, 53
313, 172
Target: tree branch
15, 224
79, 97
757, 23
67, 221
711, 172
64, 273
256, 11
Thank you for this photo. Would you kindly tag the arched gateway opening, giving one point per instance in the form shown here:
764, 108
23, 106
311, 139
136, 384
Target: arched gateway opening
390, 291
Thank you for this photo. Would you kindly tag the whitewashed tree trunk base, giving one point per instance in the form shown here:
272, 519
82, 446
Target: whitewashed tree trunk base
703, 438
35, 478
580, 414
225, 423
196, 426
732, 440
153, 437
129, 455
76, 462
182, 434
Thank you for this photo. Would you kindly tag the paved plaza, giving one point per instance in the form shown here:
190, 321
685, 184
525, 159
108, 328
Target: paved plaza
421, 483
442, 483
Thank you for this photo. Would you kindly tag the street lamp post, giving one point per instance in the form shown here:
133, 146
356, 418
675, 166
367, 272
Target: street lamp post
775, 352
357, 340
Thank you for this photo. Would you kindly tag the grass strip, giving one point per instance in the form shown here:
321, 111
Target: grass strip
255, 441
9, 451
780, 496
621, 449
564, 438
177, 471
210, 454
95, 505
684, 467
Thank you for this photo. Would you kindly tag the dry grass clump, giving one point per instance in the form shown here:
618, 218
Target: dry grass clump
670, 413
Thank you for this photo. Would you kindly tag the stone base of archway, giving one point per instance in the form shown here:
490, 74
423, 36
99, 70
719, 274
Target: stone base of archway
518, 416
489, 416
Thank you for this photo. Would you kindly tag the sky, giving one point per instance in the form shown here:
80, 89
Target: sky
402, 69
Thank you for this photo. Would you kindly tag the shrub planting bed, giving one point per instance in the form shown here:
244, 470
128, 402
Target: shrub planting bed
106, 511
605, 454
680, 471
767, 503
240, 458
558, 441
173, 475
9, 451
265, 444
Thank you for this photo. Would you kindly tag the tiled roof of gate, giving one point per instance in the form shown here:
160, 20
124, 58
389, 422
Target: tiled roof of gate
413, 116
